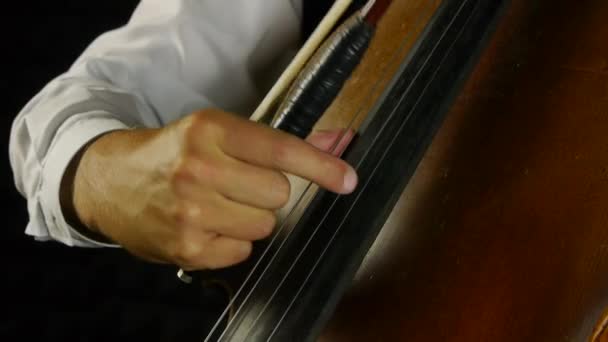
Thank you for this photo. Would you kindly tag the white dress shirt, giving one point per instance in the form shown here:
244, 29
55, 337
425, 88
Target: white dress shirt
173, 57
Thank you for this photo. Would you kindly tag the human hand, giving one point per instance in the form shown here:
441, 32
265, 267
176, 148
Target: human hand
196, 193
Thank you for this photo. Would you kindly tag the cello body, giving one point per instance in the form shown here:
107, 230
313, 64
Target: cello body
501, 234
482, 211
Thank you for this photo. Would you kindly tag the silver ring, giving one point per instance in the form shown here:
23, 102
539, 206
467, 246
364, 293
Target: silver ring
183, 276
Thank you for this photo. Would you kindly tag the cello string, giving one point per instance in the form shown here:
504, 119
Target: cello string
393, 57
358, 165
254, 268
337, 198
392, 142
296, 206
341, 138
284, 224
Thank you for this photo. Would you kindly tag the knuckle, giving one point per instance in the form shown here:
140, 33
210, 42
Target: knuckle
205, 124
179, 216
181, 174
202, 117
191, 170
185, 215
185, 252
208, 169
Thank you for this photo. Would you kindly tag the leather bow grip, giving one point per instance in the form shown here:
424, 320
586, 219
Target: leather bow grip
322, 79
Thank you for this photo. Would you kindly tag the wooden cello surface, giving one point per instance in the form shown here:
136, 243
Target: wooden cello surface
502, 233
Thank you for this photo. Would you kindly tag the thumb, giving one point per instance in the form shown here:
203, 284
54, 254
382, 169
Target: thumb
332, 141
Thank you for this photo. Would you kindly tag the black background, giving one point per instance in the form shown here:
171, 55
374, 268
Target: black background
51, 292
54, 292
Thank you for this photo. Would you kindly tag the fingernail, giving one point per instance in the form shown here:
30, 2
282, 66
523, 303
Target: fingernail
350, 180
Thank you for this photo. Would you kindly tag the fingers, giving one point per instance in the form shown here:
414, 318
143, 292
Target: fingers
266, 147
208, 235
225, 217
210, 252
230, 179
241, 182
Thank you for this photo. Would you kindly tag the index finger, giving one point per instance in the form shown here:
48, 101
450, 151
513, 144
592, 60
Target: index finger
267, 147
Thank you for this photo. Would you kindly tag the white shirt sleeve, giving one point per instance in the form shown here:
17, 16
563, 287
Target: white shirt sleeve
171, 58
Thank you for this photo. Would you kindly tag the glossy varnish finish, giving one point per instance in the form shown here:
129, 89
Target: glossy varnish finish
502, 234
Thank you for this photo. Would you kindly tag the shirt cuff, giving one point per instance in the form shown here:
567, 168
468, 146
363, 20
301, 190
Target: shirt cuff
70, 138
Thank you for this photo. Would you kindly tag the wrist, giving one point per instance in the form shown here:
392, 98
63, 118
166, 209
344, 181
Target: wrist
77, 197
99, 185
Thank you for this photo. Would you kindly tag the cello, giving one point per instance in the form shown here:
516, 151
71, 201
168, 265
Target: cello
481, 213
